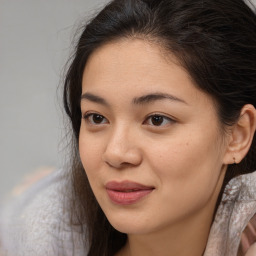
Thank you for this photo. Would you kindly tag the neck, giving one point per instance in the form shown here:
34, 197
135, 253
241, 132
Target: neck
190, 239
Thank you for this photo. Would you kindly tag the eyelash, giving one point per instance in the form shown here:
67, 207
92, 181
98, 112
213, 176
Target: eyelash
88, 116
162, 117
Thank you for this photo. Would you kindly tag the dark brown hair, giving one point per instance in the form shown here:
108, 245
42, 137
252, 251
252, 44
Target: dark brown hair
214, 40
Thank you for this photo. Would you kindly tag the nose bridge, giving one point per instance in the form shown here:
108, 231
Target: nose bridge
120, 140
119, 135
122, 147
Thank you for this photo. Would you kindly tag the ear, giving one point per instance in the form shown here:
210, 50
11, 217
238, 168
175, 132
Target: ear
241, 135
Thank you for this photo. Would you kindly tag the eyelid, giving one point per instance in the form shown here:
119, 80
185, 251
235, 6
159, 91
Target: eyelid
170, 119
89, 114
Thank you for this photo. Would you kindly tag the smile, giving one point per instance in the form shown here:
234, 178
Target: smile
127, 192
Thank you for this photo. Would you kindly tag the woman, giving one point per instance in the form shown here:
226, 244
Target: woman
161, 96
168, 118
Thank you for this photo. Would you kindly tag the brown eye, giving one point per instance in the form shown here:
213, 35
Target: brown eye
158, 120
98, 119
95, 119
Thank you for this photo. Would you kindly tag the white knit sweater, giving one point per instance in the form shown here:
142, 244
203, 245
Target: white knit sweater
36, 222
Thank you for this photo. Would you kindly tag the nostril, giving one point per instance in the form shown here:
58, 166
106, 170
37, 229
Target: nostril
122, 155
127, 160
127, 165
118, 165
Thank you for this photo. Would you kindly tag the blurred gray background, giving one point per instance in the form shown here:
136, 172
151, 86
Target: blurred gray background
35, 39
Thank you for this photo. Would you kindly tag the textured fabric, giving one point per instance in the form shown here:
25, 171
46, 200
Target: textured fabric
237, 207
36, 222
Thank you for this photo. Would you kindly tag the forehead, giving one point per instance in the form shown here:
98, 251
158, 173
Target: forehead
134, 67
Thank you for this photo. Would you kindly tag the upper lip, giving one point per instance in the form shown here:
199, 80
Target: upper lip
126, 185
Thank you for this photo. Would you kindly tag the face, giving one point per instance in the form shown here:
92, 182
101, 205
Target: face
150, 140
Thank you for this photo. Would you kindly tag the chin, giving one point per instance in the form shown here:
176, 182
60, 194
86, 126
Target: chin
131, 229
130, 225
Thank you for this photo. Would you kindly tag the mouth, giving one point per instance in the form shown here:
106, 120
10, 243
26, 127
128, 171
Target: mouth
127, 192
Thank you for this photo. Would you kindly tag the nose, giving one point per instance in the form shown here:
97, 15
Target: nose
122, 149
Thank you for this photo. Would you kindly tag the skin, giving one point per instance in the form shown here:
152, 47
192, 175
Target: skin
184, 158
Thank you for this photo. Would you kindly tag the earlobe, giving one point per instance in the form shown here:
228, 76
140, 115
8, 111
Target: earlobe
241, 135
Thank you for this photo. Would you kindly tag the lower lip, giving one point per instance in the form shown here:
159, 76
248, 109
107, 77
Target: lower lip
127, 198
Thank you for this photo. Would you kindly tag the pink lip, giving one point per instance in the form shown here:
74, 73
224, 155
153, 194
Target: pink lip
127, 192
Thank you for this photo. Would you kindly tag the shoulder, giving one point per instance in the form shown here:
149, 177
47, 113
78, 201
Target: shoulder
37, 221
237, 208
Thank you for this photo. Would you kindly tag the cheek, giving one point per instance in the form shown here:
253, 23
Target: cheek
190, 165
90, 153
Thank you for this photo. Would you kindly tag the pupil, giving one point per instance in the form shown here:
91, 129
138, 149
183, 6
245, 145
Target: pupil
97, 119
157, 120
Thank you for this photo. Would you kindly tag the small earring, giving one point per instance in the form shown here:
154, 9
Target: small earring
234, 159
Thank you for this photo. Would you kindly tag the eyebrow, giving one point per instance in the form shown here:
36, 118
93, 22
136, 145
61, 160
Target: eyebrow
145, 99
94, 98
149, 98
